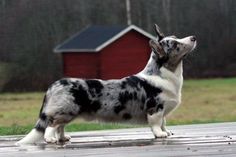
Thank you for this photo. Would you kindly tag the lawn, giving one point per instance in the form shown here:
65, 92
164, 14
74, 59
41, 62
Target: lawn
204, 101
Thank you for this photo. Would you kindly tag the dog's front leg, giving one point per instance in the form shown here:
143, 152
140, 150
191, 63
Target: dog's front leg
155, 121
163, 127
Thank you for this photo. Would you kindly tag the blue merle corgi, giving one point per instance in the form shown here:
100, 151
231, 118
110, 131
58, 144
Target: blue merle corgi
147, 97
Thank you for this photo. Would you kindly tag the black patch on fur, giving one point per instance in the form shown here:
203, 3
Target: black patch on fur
42, 122
135, 95
61, 141
43, 116
151, 106
124, 97
95, 87
40, 127
133, 82
123, 84
137, 83
162, 60
64, 82
142, 106
150, 90
43, 105
126, 116
160, 107
177, 48
143, 99
151, 103
95, 105
80, 95
81, 98
119, 108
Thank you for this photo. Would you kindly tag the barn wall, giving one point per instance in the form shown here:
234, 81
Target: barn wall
126, 56
82, 64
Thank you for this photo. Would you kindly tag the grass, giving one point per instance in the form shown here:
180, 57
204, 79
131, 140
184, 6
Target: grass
207, 101
18, 130
204, 101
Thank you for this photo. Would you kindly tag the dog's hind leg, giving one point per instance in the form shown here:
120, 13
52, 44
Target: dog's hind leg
60, 135
155, 120
35, 134
55, 131
50, 134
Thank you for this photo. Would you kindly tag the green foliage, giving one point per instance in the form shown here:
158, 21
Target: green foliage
15, 130
21, 130
208, 100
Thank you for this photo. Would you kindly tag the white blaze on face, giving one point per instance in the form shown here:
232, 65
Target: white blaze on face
187, 42
178, 47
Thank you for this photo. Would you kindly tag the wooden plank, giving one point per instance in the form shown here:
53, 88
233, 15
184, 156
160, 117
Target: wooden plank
153, 150
189, 140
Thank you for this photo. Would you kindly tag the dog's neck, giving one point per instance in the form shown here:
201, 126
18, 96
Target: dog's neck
152, 67
164, 78
155, 67
179, 70
155, 64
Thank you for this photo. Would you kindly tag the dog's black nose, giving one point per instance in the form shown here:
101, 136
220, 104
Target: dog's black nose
193, 38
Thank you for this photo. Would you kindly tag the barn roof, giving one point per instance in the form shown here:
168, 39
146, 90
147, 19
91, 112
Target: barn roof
95, 38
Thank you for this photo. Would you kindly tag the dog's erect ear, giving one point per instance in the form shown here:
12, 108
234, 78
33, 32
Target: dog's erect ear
156, 48
160, 35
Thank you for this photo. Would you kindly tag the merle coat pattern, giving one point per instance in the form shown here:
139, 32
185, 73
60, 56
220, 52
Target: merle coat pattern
147, 97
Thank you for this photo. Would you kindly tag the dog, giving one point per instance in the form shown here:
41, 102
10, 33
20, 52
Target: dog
146, 97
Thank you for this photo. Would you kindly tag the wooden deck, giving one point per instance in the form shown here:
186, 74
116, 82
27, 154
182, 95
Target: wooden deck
189, 140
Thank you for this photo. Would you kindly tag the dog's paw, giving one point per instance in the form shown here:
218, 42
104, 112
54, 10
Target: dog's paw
160, 134
63, 140
50, 140
66, 138
169, 133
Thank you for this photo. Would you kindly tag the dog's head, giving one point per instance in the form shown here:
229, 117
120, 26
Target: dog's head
170, 50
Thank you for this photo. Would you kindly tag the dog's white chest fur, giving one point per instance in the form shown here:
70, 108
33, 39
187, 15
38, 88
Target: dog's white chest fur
171, 85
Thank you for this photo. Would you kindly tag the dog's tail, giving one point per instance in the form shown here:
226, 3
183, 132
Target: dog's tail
37, 133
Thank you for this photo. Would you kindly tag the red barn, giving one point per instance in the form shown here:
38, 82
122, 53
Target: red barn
105, 52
